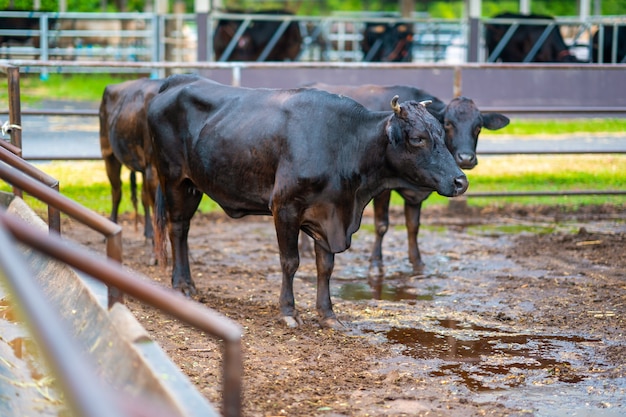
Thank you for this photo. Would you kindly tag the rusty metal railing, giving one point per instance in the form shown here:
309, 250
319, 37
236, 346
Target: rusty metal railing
111, 231
114, 275
8, 155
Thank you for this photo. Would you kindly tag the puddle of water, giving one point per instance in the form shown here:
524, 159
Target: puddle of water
486, 359
356, 291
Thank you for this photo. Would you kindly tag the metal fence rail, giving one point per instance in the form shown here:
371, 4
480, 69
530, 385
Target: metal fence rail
114, 274
151, 37
111, 272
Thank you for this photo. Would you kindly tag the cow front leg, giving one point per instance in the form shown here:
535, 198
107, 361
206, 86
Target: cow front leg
381, 224
412, 214
181, 273
325, 262
287, 236
182, 203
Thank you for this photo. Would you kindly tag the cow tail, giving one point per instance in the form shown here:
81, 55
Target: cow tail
133, 195
160, 227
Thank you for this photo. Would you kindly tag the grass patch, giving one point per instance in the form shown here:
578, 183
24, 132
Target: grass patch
86, 182
524, 127
78, 87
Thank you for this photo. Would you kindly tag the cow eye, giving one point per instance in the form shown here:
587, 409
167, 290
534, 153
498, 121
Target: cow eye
416, 141
447, 124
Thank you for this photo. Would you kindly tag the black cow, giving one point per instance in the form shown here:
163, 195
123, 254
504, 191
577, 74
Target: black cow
607, 45
517, 49
20, 23
125, 140
462, 122
387, 42
281, 39
311, 159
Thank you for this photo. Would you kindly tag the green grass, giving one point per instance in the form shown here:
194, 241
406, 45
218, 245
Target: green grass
524, 127
78, 87
501, 173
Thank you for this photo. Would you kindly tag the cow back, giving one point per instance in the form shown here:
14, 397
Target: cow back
123, 124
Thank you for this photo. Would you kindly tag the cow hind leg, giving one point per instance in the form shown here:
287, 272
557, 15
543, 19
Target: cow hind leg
381, 224
412, 214
114, 169
146, 202
148, 229
133, 195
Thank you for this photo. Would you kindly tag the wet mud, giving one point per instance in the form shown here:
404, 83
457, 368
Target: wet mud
518, 312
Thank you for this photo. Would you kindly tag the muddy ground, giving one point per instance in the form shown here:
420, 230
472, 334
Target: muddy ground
519, 312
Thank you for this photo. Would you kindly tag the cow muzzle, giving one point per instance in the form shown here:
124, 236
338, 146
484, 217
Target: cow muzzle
466, 160
460, 184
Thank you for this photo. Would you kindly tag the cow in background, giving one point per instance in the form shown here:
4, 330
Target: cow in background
256, 37
553, 49
125, 140
462, 122
387, 42
607, 45
28, 23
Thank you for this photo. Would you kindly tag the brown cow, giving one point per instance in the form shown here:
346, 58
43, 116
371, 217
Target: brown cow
125, 140
311, 159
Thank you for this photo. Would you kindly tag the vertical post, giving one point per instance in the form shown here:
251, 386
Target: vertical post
524, 6
15, 112
43, 45
202, 9
158, 44
473, 43
114, 252
457, 89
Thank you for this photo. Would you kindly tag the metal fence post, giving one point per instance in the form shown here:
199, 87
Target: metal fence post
43, 44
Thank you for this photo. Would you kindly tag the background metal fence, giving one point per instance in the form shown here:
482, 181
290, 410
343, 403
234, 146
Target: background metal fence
150, 37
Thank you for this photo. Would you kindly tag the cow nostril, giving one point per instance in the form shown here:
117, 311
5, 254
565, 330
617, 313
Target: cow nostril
460, 185
466, 160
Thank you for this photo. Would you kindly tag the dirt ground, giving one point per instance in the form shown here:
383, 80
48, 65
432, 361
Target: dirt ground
520, 312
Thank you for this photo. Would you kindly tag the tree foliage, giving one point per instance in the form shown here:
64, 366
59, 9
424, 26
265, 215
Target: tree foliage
451, 9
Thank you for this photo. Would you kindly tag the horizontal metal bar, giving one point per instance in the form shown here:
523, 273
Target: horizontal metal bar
165, 299
77, 376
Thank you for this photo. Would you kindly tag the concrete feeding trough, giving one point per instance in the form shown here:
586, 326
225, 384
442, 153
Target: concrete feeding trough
125, 356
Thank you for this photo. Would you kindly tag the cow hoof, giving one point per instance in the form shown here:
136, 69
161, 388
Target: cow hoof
189, 290
292, 321
376, 271
418, 267
332, 323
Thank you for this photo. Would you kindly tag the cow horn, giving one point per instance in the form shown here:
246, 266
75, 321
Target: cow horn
425, 102
394, 104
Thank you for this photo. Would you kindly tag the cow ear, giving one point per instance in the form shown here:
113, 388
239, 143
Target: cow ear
494, 121
394, 133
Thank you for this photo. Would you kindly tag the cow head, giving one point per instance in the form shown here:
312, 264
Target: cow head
387, 42
418, 152
462, 123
